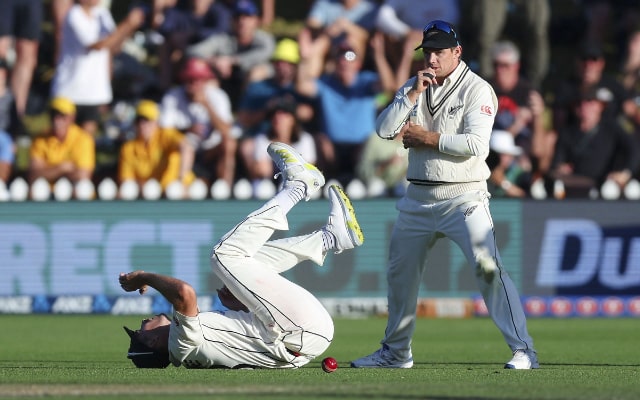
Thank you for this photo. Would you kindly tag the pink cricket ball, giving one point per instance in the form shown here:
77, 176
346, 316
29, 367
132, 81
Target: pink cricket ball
329, 364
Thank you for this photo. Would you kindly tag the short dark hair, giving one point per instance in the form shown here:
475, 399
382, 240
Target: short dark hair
144, 356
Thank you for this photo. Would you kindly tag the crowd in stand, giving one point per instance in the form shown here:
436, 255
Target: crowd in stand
179, 98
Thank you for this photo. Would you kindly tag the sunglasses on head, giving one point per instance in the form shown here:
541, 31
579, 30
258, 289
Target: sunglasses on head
441, 26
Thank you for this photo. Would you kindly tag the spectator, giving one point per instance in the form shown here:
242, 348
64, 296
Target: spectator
163, 154
520, 106
508, 178
20, 21
594, 148
589, 74
199, 108
331, 22
492, 16
347, 102
7, 147
252, 109
66, 150
630, 78
183, 23
283, 127
241, 56
89, 37
385, 160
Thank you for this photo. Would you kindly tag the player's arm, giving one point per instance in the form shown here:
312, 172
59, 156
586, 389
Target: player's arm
177, 292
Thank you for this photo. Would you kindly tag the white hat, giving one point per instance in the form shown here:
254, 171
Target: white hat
502, 142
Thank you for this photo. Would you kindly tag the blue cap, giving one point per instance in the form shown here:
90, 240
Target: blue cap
245, 7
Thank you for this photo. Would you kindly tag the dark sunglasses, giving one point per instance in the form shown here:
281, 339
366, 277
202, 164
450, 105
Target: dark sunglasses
441, 26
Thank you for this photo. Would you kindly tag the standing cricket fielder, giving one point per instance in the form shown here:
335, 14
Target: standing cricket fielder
445, 114
273, 323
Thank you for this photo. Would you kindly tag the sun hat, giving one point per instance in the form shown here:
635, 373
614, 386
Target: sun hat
502, 142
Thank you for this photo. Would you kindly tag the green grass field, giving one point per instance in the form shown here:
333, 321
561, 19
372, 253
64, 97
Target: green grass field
83, 357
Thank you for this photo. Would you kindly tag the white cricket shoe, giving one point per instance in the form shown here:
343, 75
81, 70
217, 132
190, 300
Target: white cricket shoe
381, 358
294, 168
342, 222
523, 359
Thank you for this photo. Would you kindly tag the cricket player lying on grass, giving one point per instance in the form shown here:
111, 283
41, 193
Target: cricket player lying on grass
272, 322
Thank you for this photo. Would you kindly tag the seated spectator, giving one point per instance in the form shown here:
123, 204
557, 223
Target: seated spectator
507, 178
252, 109
163, 154
330, 22
7, 146
347, 102
589, 74
594, 148
199, 108
386, 160
182, 23
65, 150
7, 156
241, 56
630, 79
20, 25
520, 106
89, 38
283, 127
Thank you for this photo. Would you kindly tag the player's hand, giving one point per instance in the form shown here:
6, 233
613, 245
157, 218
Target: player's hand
133, 281
424, 78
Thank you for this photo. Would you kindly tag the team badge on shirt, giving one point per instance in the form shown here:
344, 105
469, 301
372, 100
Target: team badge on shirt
486, 110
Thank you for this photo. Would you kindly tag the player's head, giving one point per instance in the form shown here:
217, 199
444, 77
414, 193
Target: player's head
148, 346
439, 34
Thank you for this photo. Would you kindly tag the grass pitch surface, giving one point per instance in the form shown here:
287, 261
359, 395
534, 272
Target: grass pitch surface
83, 357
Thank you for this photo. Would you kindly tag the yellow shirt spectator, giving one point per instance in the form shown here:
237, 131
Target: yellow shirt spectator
157, 158
78, 147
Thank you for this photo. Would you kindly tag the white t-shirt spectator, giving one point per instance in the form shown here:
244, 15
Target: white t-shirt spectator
83, 75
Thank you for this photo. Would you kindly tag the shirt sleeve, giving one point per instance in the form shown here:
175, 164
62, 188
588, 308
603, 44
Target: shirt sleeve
478, 120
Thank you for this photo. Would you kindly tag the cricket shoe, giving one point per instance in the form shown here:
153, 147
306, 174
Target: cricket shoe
382, 358
294, 168
342, 222
523, 359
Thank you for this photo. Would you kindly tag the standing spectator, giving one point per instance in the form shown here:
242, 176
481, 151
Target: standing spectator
83, 73
283, 127
492, 16
183, 23
347, 102
252, 109
241, 56
163, 154
594, 148
445, 114
199, 108
20, 21
402, 20
330, 22
66, 150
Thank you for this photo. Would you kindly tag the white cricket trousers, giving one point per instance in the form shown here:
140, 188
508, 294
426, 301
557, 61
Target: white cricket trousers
250, 266
466, 220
